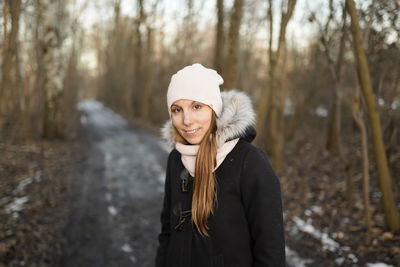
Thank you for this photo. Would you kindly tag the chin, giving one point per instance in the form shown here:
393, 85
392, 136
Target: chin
193, 141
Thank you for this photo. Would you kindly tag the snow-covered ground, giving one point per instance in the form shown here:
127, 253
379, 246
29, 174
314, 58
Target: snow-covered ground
121, 192
327, 243
294, 260
15, 203
378, 265
99, 116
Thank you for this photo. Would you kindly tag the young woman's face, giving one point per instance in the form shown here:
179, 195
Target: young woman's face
192, 119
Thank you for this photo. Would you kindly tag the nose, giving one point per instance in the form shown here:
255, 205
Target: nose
187, 118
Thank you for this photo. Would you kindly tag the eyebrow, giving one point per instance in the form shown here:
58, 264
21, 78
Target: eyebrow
180, 106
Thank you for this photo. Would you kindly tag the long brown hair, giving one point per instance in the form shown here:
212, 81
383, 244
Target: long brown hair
204, 191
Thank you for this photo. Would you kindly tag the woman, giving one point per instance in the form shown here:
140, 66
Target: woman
222, 203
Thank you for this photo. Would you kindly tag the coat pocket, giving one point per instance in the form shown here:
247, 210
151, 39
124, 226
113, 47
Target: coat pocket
218, 261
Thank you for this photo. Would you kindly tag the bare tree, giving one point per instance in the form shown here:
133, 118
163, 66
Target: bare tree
333, 142
51, 13
274, 98
149, 64
356, 110
138, 58
385, 180
231, 66
10, 75
219, 40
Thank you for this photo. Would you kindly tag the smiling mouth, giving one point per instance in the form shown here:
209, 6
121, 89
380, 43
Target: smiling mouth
192, 131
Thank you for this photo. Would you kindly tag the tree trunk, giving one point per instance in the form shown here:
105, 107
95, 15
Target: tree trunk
148, 83
53, 69
138, 72
263, 106
219, 40
9, 98
275, 97
385, 180
333, 142
231, 66
365, 159
349, 185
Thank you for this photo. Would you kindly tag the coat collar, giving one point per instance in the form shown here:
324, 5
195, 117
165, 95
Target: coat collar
236, 121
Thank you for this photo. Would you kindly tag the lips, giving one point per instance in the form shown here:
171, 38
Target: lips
192, 131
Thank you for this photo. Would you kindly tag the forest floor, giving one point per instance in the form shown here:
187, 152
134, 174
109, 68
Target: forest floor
34, 195
61, 204
320, 224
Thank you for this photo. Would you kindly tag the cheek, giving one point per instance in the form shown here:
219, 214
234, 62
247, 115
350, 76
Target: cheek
175, 120
206, 120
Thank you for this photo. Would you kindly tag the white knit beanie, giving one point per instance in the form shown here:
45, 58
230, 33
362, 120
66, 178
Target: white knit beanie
197, 83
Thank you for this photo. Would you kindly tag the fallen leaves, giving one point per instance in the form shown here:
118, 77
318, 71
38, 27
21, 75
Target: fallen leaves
317, 179
31, 230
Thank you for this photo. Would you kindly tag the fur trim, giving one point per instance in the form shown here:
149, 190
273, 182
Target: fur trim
237, 115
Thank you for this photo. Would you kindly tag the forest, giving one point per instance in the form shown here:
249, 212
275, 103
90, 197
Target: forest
83, 88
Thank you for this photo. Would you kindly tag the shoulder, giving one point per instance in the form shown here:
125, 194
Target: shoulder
256, 164
251, 152
173, 156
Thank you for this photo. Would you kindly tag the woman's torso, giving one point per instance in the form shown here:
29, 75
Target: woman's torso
230, 240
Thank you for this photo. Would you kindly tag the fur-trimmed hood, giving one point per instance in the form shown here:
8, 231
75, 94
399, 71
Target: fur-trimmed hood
236, 121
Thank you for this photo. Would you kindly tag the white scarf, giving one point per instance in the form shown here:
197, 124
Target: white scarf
189, 154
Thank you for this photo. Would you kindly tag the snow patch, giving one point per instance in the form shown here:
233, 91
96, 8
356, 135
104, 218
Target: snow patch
27, 181
38, 176
133, 259
316, 209
327, 242
339, 261
307, 212
21, 185
112, 210
353, 258
126, 248
99, 115
379, 264
89, 105
395, 104
16, 206
321, 111
293, 259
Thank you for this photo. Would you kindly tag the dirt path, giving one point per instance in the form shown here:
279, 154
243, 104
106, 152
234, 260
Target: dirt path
114, 219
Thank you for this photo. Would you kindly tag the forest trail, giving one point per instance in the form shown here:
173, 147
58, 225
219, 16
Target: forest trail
114, 218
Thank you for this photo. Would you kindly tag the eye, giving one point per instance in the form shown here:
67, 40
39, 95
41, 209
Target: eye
175, 110
197, 106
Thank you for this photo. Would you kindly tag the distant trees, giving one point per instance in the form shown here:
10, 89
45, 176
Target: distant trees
35, 66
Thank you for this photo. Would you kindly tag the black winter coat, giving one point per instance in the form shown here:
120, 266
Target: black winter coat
246, 229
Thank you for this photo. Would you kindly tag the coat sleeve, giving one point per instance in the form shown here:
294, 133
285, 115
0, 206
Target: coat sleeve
163, 237
261, 196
